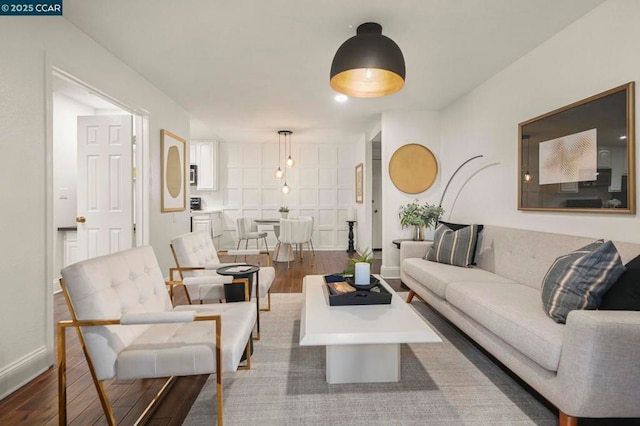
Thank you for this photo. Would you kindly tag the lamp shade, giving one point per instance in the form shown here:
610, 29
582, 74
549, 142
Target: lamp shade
368, 65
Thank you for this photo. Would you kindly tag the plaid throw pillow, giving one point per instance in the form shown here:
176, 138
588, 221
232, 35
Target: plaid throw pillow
455, 247
578, 280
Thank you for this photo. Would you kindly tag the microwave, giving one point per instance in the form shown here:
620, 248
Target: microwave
193, 174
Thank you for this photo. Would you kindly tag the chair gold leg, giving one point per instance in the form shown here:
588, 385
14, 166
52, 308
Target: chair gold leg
268, 308
247, 355
155, 402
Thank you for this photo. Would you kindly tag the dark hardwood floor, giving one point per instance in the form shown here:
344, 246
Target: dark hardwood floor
37, 402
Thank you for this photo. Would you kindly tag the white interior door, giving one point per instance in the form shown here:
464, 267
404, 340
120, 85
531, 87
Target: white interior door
105, 199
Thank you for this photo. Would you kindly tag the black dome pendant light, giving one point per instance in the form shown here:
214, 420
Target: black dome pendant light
368, 65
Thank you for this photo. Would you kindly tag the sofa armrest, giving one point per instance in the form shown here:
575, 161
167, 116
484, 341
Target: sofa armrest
601, 357
414, 249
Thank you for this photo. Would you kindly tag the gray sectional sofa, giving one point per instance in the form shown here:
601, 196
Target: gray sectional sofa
588, 367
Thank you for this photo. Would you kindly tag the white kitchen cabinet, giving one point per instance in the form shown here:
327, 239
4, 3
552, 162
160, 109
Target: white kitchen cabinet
216, 224
205, 155
208, 221
70, 253
202, 223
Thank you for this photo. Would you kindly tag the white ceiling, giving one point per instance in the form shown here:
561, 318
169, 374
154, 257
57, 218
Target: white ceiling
245, 68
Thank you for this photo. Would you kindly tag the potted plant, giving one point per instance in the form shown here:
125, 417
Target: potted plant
366, 256
284, 212
421, 216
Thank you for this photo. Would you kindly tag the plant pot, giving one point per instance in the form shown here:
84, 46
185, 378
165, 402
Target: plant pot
419, 233
284, 215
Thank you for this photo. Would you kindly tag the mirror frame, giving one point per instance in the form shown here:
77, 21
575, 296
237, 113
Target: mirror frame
609, 113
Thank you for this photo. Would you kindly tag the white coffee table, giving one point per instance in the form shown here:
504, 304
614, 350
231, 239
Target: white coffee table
363, 342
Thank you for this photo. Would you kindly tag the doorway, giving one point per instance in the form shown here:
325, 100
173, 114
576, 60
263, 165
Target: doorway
92, 187
376, 194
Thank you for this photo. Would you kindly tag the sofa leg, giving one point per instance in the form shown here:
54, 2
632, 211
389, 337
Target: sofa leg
567, 420
410, 296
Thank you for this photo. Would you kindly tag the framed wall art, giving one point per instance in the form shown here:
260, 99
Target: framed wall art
359, 183
581, 157
174, 190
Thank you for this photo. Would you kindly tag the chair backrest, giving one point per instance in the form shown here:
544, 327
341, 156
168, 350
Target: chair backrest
308, 229
192, 250
295, 231
244, 225
106, 287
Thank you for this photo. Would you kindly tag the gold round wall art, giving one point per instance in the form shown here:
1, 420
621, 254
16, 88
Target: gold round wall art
413, 168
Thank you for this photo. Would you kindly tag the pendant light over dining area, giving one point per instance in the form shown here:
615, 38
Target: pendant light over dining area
368, 65
278, 174
288, 163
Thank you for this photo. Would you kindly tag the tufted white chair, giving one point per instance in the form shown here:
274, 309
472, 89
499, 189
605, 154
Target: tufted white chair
128, 328
248, 230
295, 231
197, 260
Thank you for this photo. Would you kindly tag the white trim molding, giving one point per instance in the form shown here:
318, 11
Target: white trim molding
391, 272
23, 370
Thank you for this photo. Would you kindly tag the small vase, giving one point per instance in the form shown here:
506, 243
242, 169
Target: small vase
419, 233
284, 215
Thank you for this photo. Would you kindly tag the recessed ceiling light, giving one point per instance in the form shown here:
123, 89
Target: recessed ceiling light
341, 98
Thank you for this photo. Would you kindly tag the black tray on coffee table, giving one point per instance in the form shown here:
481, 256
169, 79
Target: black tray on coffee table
342, 292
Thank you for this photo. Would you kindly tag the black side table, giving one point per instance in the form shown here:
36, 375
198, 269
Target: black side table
234, 292
351, 249
399, 241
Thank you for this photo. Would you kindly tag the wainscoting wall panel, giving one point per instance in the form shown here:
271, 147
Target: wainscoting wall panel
322, 186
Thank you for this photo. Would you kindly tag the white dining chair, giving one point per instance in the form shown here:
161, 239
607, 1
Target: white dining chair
294, 232
247, 230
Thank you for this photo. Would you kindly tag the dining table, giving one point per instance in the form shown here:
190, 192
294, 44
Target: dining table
284, 254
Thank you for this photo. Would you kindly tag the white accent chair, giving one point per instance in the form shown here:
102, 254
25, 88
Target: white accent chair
295, 231
129, 329
197, 260
248, 230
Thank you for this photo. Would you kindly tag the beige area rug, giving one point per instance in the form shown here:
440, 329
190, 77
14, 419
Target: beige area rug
441, 384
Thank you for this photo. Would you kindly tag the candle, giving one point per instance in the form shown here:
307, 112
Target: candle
351, 214
362, 273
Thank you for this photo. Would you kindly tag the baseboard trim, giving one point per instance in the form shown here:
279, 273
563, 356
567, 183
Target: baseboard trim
392, 272
23, 370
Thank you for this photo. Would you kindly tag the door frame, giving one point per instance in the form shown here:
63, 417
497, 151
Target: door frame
141, 189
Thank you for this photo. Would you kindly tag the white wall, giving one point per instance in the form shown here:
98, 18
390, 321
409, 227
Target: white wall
398, 129
594, 54
65, 135
322, 186
28, 46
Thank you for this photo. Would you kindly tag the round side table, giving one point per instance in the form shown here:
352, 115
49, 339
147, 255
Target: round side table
234, 292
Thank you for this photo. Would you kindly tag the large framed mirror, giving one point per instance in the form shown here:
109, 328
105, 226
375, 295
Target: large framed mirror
581, 157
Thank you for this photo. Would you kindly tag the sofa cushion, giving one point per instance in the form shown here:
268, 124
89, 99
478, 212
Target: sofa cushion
456, 226
578, 279
624, 294
455, 247
436, 276
511, 312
